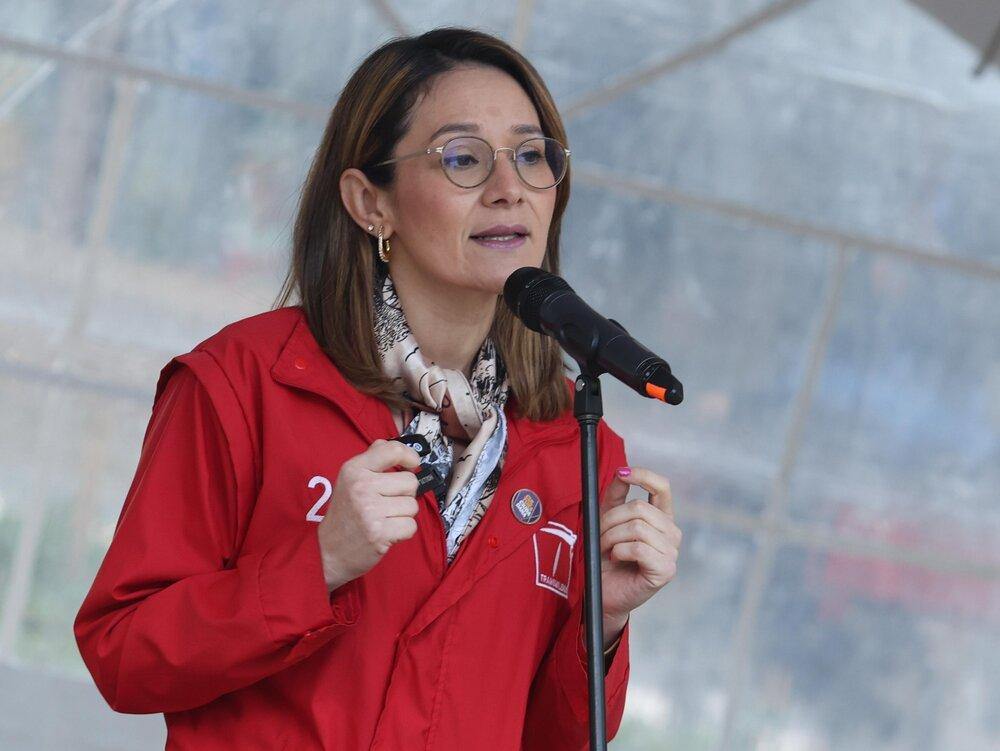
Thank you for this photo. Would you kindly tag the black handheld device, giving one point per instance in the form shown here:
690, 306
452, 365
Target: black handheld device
427, 476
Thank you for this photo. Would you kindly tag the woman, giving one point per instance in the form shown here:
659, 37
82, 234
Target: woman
278, 576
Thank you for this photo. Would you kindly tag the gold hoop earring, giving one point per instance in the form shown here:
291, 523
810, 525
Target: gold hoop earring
383, 254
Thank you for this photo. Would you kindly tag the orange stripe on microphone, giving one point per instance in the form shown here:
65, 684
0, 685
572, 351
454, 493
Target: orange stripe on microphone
657, 392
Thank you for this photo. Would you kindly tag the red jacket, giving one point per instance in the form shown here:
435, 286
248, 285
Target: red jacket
211, 606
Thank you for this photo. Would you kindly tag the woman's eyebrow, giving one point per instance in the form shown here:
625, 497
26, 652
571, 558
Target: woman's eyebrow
473, 127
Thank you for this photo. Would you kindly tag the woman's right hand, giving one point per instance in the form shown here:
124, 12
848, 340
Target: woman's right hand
370, 509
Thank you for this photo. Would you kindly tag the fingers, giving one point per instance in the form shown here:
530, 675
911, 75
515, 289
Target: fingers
656, 485
397, 483
398, 528
658, 513
400, 505
651, 562
615, 493
383, 455
639, 551
637, 510
666, 541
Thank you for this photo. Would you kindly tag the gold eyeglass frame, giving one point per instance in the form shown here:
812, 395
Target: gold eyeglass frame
439, 150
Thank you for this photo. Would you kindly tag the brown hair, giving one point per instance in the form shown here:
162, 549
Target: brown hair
332, 264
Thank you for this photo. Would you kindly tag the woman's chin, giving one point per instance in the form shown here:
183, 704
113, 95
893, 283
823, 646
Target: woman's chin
506, 265
499, 278
494, 267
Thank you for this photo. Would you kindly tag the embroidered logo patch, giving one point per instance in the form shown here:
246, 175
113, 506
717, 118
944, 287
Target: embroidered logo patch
526, 505
554, 545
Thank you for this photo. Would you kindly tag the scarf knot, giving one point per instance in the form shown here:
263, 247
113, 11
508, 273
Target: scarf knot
451, 411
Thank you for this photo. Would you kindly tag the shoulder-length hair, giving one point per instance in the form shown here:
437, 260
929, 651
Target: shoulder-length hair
333, 261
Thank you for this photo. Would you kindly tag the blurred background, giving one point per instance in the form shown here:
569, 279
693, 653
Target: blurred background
795, 203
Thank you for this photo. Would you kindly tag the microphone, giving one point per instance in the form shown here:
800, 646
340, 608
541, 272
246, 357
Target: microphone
548, 305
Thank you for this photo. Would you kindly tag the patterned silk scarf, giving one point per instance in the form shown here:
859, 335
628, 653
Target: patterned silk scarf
451, 412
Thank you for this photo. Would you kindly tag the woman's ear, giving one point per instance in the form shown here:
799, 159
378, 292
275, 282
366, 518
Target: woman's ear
366, 203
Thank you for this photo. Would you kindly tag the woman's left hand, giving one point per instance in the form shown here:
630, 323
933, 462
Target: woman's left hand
639, 543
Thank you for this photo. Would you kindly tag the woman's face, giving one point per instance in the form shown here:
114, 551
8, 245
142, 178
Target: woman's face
433, 220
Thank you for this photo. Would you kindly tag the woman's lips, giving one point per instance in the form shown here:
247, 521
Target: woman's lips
514, 242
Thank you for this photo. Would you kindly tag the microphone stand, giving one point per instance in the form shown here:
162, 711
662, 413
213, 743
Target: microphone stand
547, 304
588, 409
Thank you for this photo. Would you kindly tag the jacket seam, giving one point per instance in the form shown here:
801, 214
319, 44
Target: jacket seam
233, 543
243, 414
260, 601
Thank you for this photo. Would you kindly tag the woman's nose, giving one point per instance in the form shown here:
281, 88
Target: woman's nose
505, 180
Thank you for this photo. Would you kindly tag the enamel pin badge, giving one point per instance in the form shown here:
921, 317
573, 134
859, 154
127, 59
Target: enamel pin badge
526, 506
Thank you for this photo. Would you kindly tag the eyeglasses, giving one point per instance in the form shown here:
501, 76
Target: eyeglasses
468, 160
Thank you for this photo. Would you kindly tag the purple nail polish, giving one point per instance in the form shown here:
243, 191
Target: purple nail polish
624, 471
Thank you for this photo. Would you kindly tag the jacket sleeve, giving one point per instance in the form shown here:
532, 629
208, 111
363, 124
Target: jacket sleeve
558, 715
176, 616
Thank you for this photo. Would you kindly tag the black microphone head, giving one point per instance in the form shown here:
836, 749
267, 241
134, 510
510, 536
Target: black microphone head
526, 289
516, 283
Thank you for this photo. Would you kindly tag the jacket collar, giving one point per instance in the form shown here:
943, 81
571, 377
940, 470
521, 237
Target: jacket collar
302, 364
